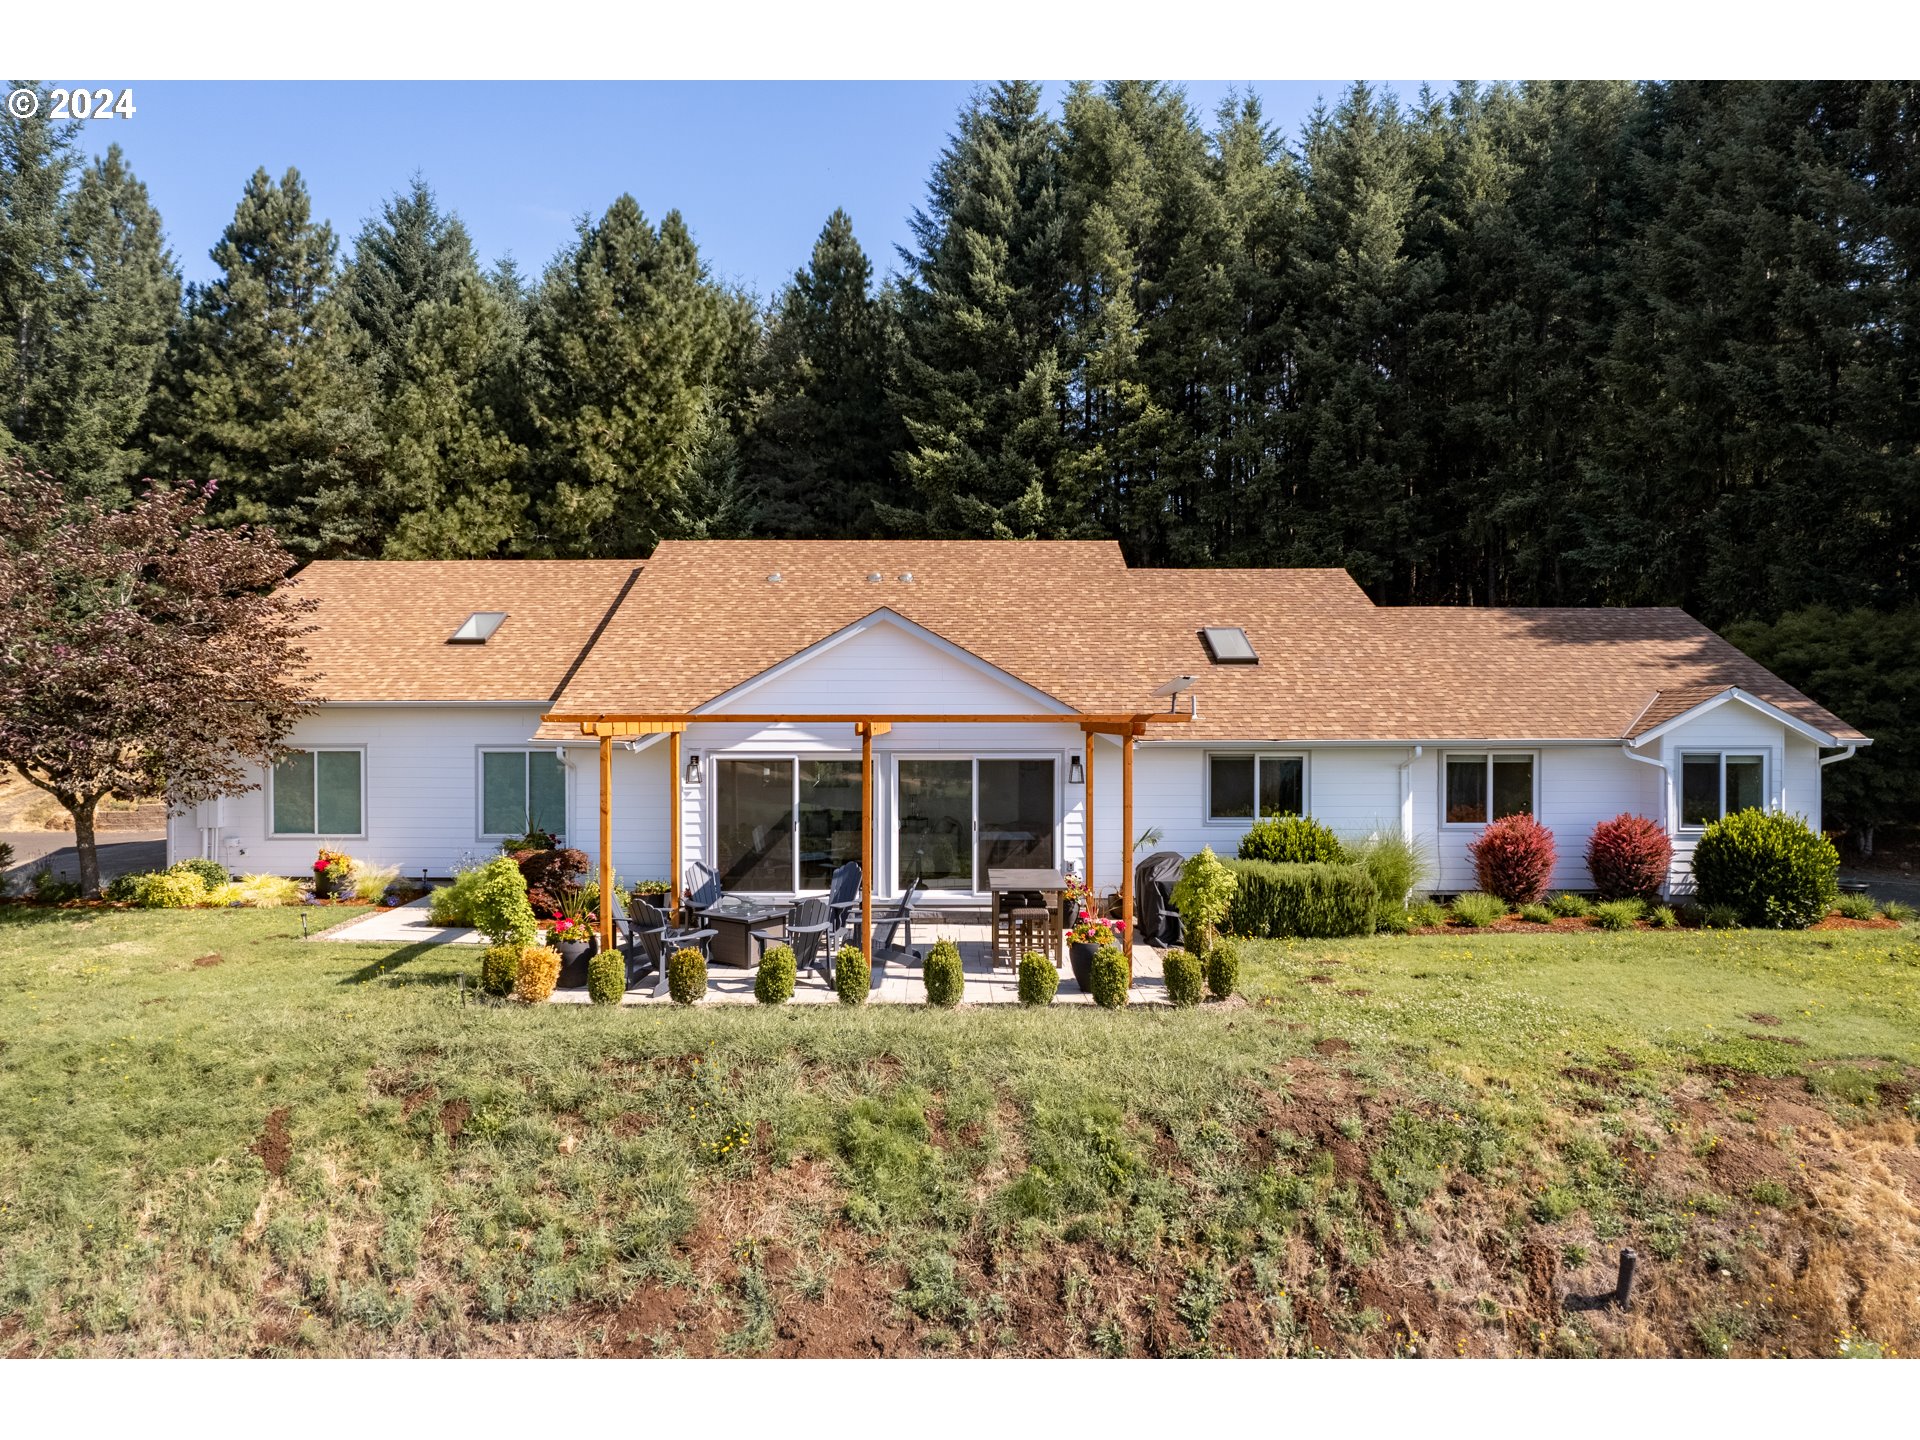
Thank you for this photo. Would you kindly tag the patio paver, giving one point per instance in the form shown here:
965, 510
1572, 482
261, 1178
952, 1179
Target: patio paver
897, 976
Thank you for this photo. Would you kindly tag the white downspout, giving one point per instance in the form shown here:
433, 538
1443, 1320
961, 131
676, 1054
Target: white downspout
1406, 793
1666, 783
1846, 754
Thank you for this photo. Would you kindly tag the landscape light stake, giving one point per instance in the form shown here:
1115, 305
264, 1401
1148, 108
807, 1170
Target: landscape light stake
303, 922
1629, 1266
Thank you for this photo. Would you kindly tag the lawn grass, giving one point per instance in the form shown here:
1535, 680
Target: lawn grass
335, 1149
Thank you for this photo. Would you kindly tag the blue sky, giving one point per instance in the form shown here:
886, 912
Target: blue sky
755, 167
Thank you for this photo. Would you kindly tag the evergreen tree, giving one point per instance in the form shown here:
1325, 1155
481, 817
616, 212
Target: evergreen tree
87, 292
983, 388
824, 430
627, 335
263, 396
410, 255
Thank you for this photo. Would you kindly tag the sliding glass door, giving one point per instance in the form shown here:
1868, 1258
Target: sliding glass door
782, 824
960, 818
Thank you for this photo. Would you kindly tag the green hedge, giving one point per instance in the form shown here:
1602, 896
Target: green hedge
1319, 900
1775, 870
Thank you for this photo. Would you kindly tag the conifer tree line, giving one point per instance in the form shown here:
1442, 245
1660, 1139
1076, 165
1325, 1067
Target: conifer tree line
1554, 343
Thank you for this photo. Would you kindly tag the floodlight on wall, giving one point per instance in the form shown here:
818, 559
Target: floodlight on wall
1076, 775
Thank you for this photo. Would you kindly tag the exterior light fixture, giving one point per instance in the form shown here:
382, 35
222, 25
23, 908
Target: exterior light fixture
1076, 775
693, 769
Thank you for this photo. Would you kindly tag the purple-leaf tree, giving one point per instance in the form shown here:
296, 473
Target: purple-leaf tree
143, 653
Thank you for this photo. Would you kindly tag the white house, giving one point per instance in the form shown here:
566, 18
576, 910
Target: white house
1007, 686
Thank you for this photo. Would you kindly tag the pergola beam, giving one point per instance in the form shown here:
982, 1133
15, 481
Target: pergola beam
653, 723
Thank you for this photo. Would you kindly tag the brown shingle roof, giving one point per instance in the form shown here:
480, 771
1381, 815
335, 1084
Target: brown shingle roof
1069, 618
383, 625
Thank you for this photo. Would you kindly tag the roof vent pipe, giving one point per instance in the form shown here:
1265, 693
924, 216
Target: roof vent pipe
774, 578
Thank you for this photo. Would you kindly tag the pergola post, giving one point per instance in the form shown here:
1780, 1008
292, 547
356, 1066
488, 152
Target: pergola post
675, 802
606, 843
1088, 819
1126, 843
866, 845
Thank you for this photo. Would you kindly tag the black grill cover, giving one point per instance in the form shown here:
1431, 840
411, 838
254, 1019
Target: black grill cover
1153, 914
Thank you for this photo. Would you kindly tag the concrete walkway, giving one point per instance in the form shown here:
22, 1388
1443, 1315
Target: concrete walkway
897, 977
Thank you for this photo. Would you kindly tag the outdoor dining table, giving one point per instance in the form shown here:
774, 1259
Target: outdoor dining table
1050, 885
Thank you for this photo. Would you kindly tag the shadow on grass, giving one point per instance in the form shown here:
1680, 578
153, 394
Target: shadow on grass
387, 964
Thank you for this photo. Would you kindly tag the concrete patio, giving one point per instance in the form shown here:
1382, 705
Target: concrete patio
896, 974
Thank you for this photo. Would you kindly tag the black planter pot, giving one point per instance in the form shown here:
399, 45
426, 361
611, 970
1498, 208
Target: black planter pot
573, 963
657, 898
322, 885
1080, 957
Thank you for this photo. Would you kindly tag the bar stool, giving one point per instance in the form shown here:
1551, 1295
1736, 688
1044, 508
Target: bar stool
1032, 929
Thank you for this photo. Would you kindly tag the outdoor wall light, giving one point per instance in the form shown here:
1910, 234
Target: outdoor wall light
693, 769
1076, 774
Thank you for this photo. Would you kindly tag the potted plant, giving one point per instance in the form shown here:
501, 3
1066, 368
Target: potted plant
332, 873
1084, 941
654, 892
571, 934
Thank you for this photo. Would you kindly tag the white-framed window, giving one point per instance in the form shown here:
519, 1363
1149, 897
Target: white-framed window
319, 791
1716, 783
1243, 786
1478, 787
522, 789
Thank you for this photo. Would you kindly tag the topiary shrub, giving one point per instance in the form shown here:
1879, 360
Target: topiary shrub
1186, 978
943, 974
1039, 979
1320, 901
211, 872
686, 975
538, 973
1223, 970
1617, 914
1773, 869
1513, 859
773, 985
852, 975
1203, 896
498, 967
1477, 911
1290, 840
1628, 857
1110, 978
499, 903
607, 977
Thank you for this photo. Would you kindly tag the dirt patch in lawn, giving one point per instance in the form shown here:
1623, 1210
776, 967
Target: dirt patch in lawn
275, 1145
454, 1115
207, 961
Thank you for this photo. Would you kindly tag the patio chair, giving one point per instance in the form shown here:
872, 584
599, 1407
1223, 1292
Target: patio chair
703, 887
890, 915
811, 933
659, 938
843, 893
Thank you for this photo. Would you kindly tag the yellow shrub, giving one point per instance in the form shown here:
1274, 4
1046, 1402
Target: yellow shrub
539, 972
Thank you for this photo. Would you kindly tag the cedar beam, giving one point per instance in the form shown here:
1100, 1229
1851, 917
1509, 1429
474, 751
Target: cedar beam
866, 841
1087, 820
645, 724
1126, 846
606, 842
674, 801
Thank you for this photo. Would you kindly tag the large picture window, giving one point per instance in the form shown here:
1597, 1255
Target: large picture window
1483, 788
522, 790
1715, 785
1255, 787
318, 792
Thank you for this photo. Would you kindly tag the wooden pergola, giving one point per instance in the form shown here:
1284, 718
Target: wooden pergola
608, 727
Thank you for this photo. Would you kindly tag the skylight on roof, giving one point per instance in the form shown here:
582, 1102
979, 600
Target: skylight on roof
478, 627
1228, 645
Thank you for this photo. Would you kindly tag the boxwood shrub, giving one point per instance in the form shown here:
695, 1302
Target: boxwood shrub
686, 975
1110, 978
1223, 970
945, 978
539, 972
607, 977
852, 975
1773, 869
773, 983
498, 967
1290, 840
1039, 979
1186, 980
1320, 900
211, 872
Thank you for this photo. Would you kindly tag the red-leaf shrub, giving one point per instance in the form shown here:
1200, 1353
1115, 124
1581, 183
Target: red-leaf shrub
1513, 859
1628, 857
